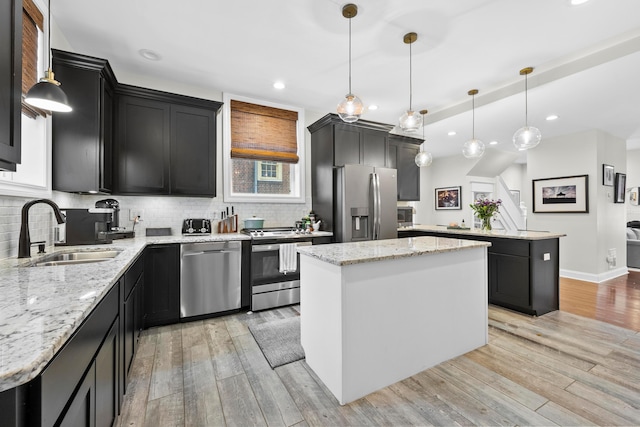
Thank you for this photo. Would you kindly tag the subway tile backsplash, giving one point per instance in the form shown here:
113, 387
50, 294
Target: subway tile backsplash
158, 211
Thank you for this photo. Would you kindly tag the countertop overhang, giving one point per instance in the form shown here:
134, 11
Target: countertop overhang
515, 234
342, 254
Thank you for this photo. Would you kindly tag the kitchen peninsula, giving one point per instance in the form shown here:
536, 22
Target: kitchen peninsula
524, 266
376, 312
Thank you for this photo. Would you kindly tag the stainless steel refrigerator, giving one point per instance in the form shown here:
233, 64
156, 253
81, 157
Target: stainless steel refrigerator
365, 203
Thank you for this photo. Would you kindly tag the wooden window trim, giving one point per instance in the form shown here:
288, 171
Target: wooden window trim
259, 132
32, 20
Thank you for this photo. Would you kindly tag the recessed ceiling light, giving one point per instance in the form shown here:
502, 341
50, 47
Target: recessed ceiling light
552, 117
451, 133
278, 85
373, 107
149, 54
493, 143
578, 2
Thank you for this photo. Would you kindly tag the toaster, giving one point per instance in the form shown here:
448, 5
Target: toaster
196, 226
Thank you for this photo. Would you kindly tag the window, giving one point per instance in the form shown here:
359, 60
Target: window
263, 151
32, 37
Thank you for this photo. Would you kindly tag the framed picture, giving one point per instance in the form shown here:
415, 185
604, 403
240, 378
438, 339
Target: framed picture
607, 175
620, 187
448, 198
567, 194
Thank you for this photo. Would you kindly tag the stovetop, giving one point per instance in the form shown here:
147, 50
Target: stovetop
275, 233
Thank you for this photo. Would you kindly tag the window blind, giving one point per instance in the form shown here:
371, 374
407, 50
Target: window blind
259, 132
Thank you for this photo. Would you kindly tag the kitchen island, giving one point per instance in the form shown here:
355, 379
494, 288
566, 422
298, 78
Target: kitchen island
524, 266
376, 312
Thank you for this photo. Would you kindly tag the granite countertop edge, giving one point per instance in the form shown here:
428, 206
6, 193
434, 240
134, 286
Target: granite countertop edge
42, 307
518, 234
344, 254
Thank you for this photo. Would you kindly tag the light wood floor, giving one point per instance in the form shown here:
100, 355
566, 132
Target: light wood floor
559, 368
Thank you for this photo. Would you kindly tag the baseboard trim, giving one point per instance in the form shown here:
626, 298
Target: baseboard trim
595, 278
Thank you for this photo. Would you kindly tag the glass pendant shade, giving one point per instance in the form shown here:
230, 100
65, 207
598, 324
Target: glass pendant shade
473, 149
47, 95
410, 121
423, 159
350, 109
527, 137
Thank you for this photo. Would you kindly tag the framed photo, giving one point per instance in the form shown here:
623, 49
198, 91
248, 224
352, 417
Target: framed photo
620, 187
567, 194
607, 175
448, 198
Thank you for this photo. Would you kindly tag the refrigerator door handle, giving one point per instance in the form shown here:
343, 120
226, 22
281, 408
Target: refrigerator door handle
376, 206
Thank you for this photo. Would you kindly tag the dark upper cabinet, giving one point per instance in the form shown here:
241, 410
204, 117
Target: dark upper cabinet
10, 83
165, 143
402, 154
355, 144
83, 139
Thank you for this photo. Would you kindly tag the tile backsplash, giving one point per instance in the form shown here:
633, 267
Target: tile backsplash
158, 211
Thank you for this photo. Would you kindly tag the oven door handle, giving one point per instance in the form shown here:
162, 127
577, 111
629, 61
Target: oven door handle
276, 247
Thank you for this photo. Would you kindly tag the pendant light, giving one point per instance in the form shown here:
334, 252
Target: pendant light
410, 121
47, 94
528, 136
350, 109
473, 148
423, 158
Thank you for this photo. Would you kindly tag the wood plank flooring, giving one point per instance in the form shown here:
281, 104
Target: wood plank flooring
556, 369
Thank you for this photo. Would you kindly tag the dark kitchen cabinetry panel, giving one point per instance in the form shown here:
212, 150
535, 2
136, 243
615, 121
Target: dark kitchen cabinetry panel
82, 409
10, 83
165, 143
162, 285
83, 139
355, 145
402, 153
523, 274
131, 317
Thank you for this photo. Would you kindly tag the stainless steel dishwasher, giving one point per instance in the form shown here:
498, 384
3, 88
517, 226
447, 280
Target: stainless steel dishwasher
209, 277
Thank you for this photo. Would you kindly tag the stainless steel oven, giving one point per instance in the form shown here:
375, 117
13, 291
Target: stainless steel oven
271, 287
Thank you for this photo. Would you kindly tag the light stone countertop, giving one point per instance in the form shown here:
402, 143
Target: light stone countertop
342, 254
41, 307
517, 234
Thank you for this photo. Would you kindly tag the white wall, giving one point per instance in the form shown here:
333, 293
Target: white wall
633, 180
589, 235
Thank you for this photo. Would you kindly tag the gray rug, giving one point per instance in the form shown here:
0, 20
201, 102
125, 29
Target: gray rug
279, 340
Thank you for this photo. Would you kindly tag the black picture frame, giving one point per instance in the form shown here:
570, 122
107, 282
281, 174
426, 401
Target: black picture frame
608, 175
565, 194
620, 187
448, 198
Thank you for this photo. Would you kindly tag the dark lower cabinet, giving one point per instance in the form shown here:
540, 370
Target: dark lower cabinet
82, 409
523, 275
162, 285
106, 389
131, 318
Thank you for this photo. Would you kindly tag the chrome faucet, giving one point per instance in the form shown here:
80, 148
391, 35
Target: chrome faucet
24, 242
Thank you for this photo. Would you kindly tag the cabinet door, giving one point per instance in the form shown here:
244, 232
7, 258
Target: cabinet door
408, 172
193, 151
82, 412
162, 285
143, 146
107, 380
10, 83
346, 145
105, 165
374, 148
509, 280
129, 333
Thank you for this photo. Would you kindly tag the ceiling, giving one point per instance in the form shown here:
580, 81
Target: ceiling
586, 58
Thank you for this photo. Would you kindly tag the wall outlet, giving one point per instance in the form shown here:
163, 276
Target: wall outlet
133, 213
611, 258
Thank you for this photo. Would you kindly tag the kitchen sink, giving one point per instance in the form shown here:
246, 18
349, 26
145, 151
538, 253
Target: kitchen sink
78, 257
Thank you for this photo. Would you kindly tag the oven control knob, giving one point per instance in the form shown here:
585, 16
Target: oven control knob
203, 230
190, 230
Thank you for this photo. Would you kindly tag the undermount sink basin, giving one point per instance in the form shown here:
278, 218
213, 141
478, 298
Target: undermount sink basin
79, 257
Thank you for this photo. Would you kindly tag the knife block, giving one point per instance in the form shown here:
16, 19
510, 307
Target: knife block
228, 225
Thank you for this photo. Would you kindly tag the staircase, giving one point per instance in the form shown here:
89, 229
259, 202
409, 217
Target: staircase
510, 216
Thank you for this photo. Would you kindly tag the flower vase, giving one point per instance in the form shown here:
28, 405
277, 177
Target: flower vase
486, 224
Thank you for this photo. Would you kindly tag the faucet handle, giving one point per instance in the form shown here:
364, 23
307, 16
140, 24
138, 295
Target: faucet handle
40, 246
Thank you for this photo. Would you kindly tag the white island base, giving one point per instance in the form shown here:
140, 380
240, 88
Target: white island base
365, 326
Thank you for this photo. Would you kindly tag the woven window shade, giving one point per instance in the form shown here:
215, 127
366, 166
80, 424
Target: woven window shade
31, 20
263, 133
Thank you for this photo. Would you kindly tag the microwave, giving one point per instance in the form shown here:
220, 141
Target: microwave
405, 216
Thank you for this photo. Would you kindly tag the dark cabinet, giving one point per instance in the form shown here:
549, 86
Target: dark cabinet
131, 317
357, 145
10, 83
107, 381
82, 409
523, 275
402, 154
83, 139
162, 285
165, 143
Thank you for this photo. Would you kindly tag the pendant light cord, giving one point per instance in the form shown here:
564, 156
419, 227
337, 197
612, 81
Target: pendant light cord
49, 37
473, 117
410, 78
349, 56
526, 100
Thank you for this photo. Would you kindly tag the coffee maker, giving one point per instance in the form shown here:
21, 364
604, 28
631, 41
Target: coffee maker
114, 231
